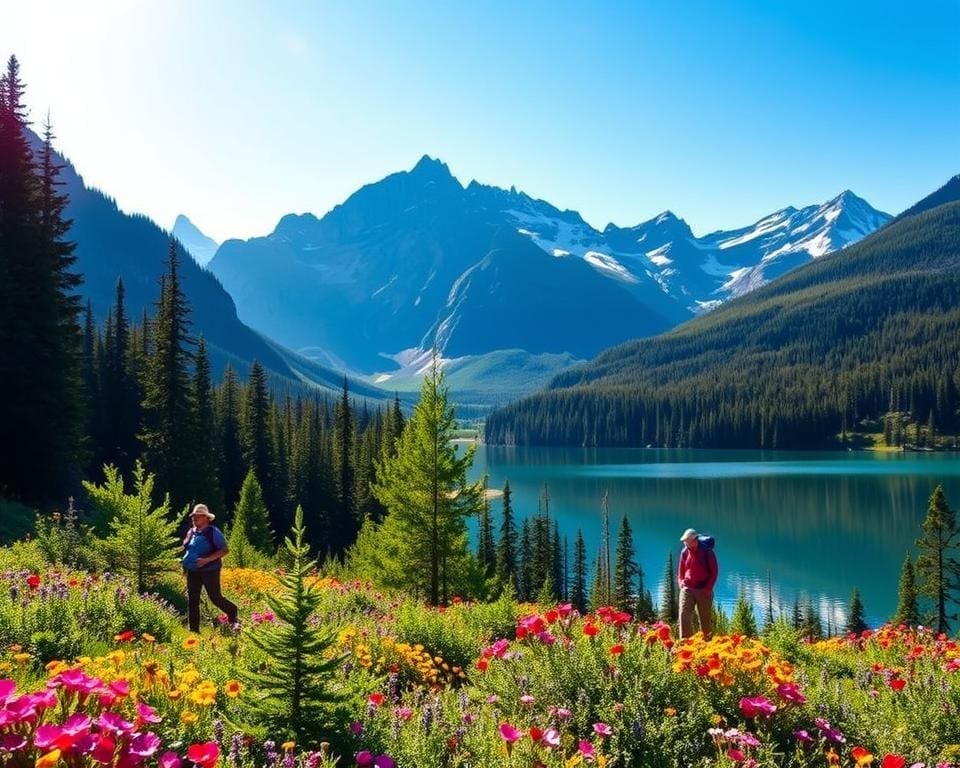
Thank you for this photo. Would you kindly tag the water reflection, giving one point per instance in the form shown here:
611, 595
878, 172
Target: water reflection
819, 523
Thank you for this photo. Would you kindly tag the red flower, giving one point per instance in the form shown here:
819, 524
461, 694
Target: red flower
205, 755
590, 630
33, 581
376, 699
482, 665
893, 761
617, 649
535, 734
898, 684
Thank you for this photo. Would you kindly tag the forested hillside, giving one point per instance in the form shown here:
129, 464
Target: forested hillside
865, 339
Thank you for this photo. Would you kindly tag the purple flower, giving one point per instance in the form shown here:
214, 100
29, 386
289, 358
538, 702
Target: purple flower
144, 744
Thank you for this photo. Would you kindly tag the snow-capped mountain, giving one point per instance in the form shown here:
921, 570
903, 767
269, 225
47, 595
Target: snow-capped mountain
417, 260
198, 245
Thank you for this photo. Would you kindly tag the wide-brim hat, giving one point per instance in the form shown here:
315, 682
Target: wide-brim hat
202, 511
689, 534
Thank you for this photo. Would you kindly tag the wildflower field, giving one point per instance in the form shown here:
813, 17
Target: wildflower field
93, 674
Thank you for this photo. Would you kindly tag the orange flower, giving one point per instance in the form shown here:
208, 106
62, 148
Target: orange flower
48, 760
233, 688
862, 756
191, 642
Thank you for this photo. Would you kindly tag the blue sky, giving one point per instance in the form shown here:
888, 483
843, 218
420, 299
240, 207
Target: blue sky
238, 112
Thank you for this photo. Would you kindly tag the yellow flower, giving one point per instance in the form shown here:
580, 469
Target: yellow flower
670, 711
188, 718
55, 667
23, 658
174, 694
48, 760
148, 638
288, 745
191, 642
233, 688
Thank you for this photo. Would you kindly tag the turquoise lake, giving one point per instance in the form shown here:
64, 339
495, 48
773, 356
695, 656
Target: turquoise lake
819, 523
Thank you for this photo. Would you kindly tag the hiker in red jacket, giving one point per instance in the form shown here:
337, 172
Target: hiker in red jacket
696, 574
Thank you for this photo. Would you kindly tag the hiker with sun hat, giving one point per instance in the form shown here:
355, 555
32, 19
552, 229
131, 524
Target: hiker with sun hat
203, 549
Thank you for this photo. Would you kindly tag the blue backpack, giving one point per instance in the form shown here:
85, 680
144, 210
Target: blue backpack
706, 542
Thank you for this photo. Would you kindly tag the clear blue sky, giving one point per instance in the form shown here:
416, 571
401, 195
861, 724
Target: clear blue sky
238, 112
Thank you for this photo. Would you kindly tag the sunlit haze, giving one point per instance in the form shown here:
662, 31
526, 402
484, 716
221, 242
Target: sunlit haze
237, 113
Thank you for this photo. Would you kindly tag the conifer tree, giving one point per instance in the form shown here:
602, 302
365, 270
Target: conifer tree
121, 395
428, 500
599, 593
40, 336
486, 548
669, 596
507, 545
294, 695
169, 407
625, 570
907, 612
578, 587
142, 538
938, 568
257, 440
796, 617
558, 576
344, 523
811, 626
252, 516
206, 441
856, 621
743, 622
232, 463
525, 561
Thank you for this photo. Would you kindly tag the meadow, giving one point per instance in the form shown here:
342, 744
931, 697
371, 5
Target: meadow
91, 673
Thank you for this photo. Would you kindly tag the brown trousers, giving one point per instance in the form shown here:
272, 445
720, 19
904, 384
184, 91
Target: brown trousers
702, 600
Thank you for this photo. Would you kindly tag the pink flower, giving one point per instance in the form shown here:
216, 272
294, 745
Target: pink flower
551, 737
113, 723
46, 736
602, 729
736, 755
384, 761
510, 734
586, 749
204, 755
757, 706
170, 760
7, 689
791, 692
77, 724
146, 713
526, 699
364, 759
11, 742
120, 687
144, 744
403, 713
103, 751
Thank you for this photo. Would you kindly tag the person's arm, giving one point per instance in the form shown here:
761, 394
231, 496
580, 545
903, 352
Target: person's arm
713, 568
186, 539
680, 567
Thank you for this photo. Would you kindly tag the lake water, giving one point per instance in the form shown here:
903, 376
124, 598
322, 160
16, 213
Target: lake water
819, 523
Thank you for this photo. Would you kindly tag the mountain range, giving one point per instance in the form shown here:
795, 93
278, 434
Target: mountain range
419, 260
198, 245
862, 340
111, 244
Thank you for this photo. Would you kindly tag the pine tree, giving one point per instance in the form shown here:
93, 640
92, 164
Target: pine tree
768, 612
507, 545
907, 611
294, 694
169, 408
743, 622
40, 366
856, 621
599, 592
486, 548
578, 588
796, 617
255, 433
425, 491
142, 538
669, 596
252, 516
232, 463
121, 396
811, 627
625, 570
344, 523
525, 562
937, 569
206, 440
